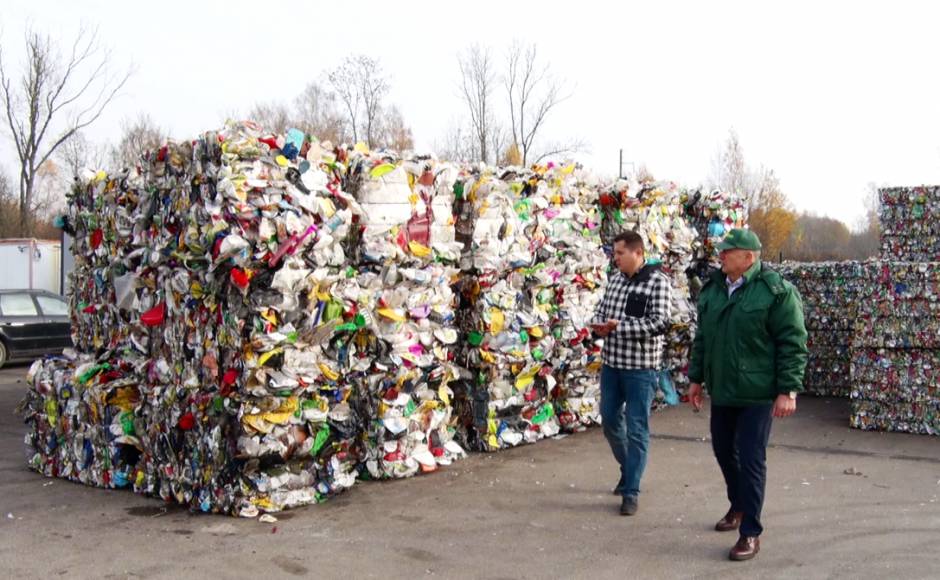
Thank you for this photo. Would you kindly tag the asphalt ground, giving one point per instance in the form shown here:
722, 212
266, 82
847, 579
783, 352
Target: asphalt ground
840, 503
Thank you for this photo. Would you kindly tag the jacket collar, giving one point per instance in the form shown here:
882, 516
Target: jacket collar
753, 272
644, 273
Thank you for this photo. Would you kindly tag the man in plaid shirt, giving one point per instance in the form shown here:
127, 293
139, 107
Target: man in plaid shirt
633, 316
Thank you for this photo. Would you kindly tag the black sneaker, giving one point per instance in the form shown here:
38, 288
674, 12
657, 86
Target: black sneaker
629, 505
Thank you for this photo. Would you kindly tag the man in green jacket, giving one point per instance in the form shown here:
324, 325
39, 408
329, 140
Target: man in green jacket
750, 353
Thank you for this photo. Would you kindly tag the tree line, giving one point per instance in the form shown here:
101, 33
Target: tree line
506, 101
784, 232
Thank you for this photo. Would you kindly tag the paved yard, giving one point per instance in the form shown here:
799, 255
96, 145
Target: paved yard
542, 511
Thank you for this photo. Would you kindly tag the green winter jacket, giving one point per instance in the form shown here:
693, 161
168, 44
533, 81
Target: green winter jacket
751, 347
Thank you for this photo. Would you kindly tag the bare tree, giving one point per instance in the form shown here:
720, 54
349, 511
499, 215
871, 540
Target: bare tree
532, 94
866, 235
9, 220
343, 80
499, 141
374, 88
456, 144
316, 110
54, 98
273, 116
361, 85
78, 153
559, 148
872, 202
317, 114
644, 175
138, 136
478, 80
394, 134
729, 172
53, 181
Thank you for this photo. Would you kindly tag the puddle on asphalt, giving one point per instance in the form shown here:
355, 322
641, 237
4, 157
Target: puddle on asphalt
152, 511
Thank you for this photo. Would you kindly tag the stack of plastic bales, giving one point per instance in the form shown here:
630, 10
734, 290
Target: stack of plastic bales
831, 293
896, 351
712, 215
577, 266
508, 313
908, 232
534, 271
233, 358
206, 376
260, 319
406, 267
680, 229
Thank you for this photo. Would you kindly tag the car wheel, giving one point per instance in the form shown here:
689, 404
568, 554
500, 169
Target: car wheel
4, 355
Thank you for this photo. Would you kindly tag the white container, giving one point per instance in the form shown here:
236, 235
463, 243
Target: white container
31, 263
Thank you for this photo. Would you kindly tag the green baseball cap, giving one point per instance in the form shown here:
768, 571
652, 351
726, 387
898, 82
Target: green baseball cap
740, 239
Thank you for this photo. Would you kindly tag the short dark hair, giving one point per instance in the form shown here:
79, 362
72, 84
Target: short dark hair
632, 240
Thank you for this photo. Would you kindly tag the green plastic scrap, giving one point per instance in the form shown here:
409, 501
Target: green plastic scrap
545, 413
320, 440
87, 375
127, 422
333, 310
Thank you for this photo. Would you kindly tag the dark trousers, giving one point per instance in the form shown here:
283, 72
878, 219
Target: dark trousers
739, 439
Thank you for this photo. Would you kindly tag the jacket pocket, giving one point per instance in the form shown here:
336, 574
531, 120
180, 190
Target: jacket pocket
755, 383
756, 307
751, 320
636, 305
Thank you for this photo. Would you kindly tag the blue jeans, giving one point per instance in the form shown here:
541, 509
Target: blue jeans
626, 396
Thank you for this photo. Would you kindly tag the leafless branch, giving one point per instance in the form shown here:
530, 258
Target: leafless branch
55, 95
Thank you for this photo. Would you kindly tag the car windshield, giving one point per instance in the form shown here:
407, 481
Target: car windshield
17, 305
52, 306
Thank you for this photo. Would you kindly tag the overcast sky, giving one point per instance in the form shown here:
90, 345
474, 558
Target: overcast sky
831, 95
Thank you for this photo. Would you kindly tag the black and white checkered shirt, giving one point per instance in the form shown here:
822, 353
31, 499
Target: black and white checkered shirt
643, 305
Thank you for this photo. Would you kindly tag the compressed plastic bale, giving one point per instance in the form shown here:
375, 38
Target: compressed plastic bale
409, 388
510, 310
409, 307
239, 406
578, 273
831, 293
908, 234
894, 350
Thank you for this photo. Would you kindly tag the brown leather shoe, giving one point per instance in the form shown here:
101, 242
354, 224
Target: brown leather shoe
731, 521
746, 548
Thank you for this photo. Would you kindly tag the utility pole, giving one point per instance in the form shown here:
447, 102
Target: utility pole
630, 163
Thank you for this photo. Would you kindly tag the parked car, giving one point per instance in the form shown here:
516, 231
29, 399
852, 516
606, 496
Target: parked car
33, 323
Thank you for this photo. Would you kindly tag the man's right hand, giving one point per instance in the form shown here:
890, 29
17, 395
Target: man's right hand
695, 396
604, 328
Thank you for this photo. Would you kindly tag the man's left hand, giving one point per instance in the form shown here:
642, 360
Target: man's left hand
784, 406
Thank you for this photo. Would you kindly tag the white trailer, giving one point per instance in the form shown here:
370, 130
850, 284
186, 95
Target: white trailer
31, 263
